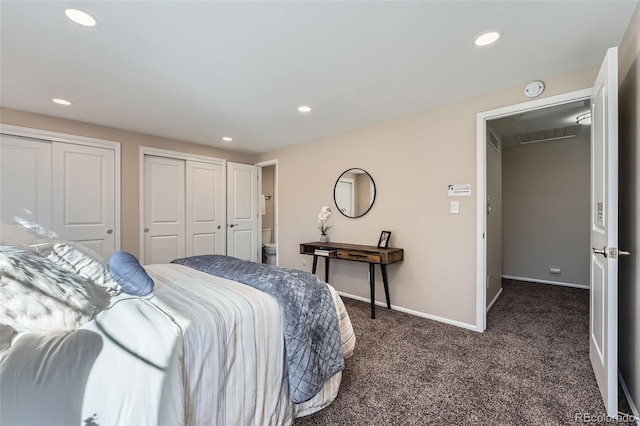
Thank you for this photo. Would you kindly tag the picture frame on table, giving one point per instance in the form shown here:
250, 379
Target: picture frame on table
383, 242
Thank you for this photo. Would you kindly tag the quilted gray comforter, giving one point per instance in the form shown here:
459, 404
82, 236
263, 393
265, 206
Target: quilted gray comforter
309, 319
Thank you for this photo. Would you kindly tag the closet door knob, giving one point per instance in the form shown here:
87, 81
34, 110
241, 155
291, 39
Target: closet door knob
146, 229
109, 231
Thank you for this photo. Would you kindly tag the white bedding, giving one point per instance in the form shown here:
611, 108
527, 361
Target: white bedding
201, 350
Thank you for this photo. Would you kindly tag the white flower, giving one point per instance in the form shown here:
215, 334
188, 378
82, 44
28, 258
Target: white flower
324, 214
323, 217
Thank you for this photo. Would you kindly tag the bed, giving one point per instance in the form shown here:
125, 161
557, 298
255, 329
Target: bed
200, 349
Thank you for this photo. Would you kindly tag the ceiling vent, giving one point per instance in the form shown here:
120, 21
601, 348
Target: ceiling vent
548, 135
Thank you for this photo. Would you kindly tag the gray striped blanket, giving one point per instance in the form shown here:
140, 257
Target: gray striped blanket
309, 320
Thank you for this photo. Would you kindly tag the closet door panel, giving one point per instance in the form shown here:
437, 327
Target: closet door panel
83, 195
25, 180
204, 209
164, 209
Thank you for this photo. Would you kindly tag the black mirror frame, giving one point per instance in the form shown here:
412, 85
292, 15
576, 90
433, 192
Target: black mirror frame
375, 193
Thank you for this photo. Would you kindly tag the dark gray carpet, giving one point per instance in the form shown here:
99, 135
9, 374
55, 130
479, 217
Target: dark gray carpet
531, 366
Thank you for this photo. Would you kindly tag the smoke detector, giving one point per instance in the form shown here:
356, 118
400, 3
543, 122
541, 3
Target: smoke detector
534, 88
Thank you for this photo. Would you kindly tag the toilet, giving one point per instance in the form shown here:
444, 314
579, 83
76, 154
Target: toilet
268, 248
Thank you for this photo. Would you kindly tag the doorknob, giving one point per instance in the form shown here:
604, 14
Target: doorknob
603, 251
219, 227
146, 229
109, 231
232, 225
611, 252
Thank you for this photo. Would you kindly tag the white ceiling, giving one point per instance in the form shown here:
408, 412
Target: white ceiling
200, 70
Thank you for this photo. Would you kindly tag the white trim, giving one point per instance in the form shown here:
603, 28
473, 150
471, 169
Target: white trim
494, 299
412, 312
28, 132
46, 135
276, 228
535, 280
258, 213
481, 202
147, 150
625, 389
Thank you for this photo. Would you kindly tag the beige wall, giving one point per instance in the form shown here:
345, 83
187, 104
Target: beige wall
130, 144
494, 220
412, 160
546, 200
629, 267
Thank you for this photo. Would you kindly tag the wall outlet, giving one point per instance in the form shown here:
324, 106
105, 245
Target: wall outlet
555, 270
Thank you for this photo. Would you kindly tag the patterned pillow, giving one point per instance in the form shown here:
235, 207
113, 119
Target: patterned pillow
131, 276
84, 263
37, 295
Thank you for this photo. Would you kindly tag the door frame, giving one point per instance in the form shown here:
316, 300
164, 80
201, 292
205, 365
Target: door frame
46, 135
157, 152
481, 179
276, 228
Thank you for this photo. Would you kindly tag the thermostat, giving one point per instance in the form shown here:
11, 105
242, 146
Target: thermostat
534, 88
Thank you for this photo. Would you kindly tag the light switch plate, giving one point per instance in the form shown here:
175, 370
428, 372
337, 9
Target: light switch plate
455, 207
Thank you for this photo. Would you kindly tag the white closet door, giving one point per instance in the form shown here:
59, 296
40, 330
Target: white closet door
204, 209
242, 211
25, 180
83, 195
164, 209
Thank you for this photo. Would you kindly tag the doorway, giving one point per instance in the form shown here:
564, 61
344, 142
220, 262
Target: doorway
268, 217
538, 196
540, 108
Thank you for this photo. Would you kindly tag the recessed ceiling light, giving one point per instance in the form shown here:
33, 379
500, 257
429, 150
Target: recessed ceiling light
304, 108
227, 139
80, 17
61, 101
485, 39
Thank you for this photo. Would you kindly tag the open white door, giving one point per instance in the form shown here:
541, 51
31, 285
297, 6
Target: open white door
603, 312
242, 211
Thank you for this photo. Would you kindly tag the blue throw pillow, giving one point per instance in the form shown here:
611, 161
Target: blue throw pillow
127, 272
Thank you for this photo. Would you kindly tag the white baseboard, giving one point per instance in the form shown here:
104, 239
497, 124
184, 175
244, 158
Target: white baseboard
412, 312
494, 299
535, 280
634, 409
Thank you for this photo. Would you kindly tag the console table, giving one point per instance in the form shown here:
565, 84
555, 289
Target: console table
368, 254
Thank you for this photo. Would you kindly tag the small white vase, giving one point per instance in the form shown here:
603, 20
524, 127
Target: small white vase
324, 238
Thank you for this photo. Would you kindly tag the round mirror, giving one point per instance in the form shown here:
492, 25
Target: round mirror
354, 193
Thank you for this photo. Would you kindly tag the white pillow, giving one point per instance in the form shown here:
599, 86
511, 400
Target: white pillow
6, 337
37, 295
85, 263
